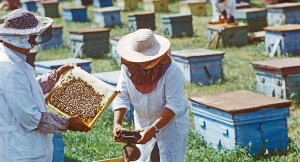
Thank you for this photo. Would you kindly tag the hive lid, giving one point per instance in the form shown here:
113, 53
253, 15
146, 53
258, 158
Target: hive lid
281, 28
74, 7
48, 2
89, 30
249, 10
95, 96
55, 63
116, 38
191, 2
223, 26
237, 102
176, 15
200, 52
283, 5
107, 9
242, 4
279, 66
141, 13
57, 26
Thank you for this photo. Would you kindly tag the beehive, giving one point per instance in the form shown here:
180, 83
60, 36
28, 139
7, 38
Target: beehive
48, 8
283, 13
230, 34
42, 67
177, 25
251, 120
29, 5
107, 16
156, 5
111, 78
90, 42
288, 37
127, 4
196, 8
30, 58
278, 78
255, 18
113, 42
56, 40
83, 2
78, 93
102, 3
75, 13
200, 66
141, 20
242, 5
58, 144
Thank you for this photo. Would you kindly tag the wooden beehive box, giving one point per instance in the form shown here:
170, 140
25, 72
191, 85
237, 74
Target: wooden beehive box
231, 34
113, 40
29, 5
283, 13
251, 120
287, 37
58, 148
196, 7
156, 5
177, 25
83, 2
141, 20
107, 16
90, 42
255, 18
200, 66
278, 78
78, 93
111, 78
48, 8
56, 40
75, 13
127, 4
42, 67
102, 3
242, 5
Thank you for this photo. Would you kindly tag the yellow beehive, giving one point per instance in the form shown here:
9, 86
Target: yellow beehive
196, 8
156, 5
127, 4
78, 93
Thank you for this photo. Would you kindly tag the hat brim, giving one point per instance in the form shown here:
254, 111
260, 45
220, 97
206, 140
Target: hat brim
43, 24
124, 50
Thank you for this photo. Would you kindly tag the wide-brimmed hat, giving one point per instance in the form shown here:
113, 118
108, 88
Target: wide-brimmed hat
21, 22
142, 46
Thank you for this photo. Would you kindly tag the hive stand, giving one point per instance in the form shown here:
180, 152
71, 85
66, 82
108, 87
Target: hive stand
141, 20
56, 40
48, 9
278, 78
177, 25
255, 18
107, 16
251, 120
196, 8
283, 13
75, 13
200, 66
90, 42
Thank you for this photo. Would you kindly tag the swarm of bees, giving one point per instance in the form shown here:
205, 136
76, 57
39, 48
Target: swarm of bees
76, 97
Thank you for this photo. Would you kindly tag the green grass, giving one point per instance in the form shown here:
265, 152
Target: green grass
238, 74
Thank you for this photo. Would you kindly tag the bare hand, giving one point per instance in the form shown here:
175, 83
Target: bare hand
76, 124
147, 134
117, 127
63, 68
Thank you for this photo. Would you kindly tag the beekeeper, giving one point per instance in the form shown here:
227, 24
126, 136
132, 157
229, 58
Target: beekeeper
223, 10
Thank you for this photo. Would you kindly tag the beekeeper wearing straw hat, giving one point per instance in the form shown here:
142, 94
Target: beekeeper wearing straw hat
26, 128
154, 84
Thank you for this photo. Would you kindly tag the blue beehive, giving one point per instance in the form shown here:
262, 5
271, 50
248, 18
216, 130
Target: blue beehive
78, 13
251, 120
255, 18
29, 5
288, 37
230, 34
283, 13
141, 20
48, 9
278, 78
107, 16
177, 25
113, 42
56, 40
200, 66
42, 67
58, 144
102, 3
111, 78
90, 42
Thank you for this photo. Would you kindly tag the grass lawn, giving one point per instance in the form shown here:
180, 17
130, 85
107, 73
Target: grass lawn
238, 74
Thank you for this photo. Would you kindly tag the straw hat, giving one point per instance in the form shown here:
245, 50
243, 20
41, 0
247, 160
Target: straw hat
142, 46
21, 22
